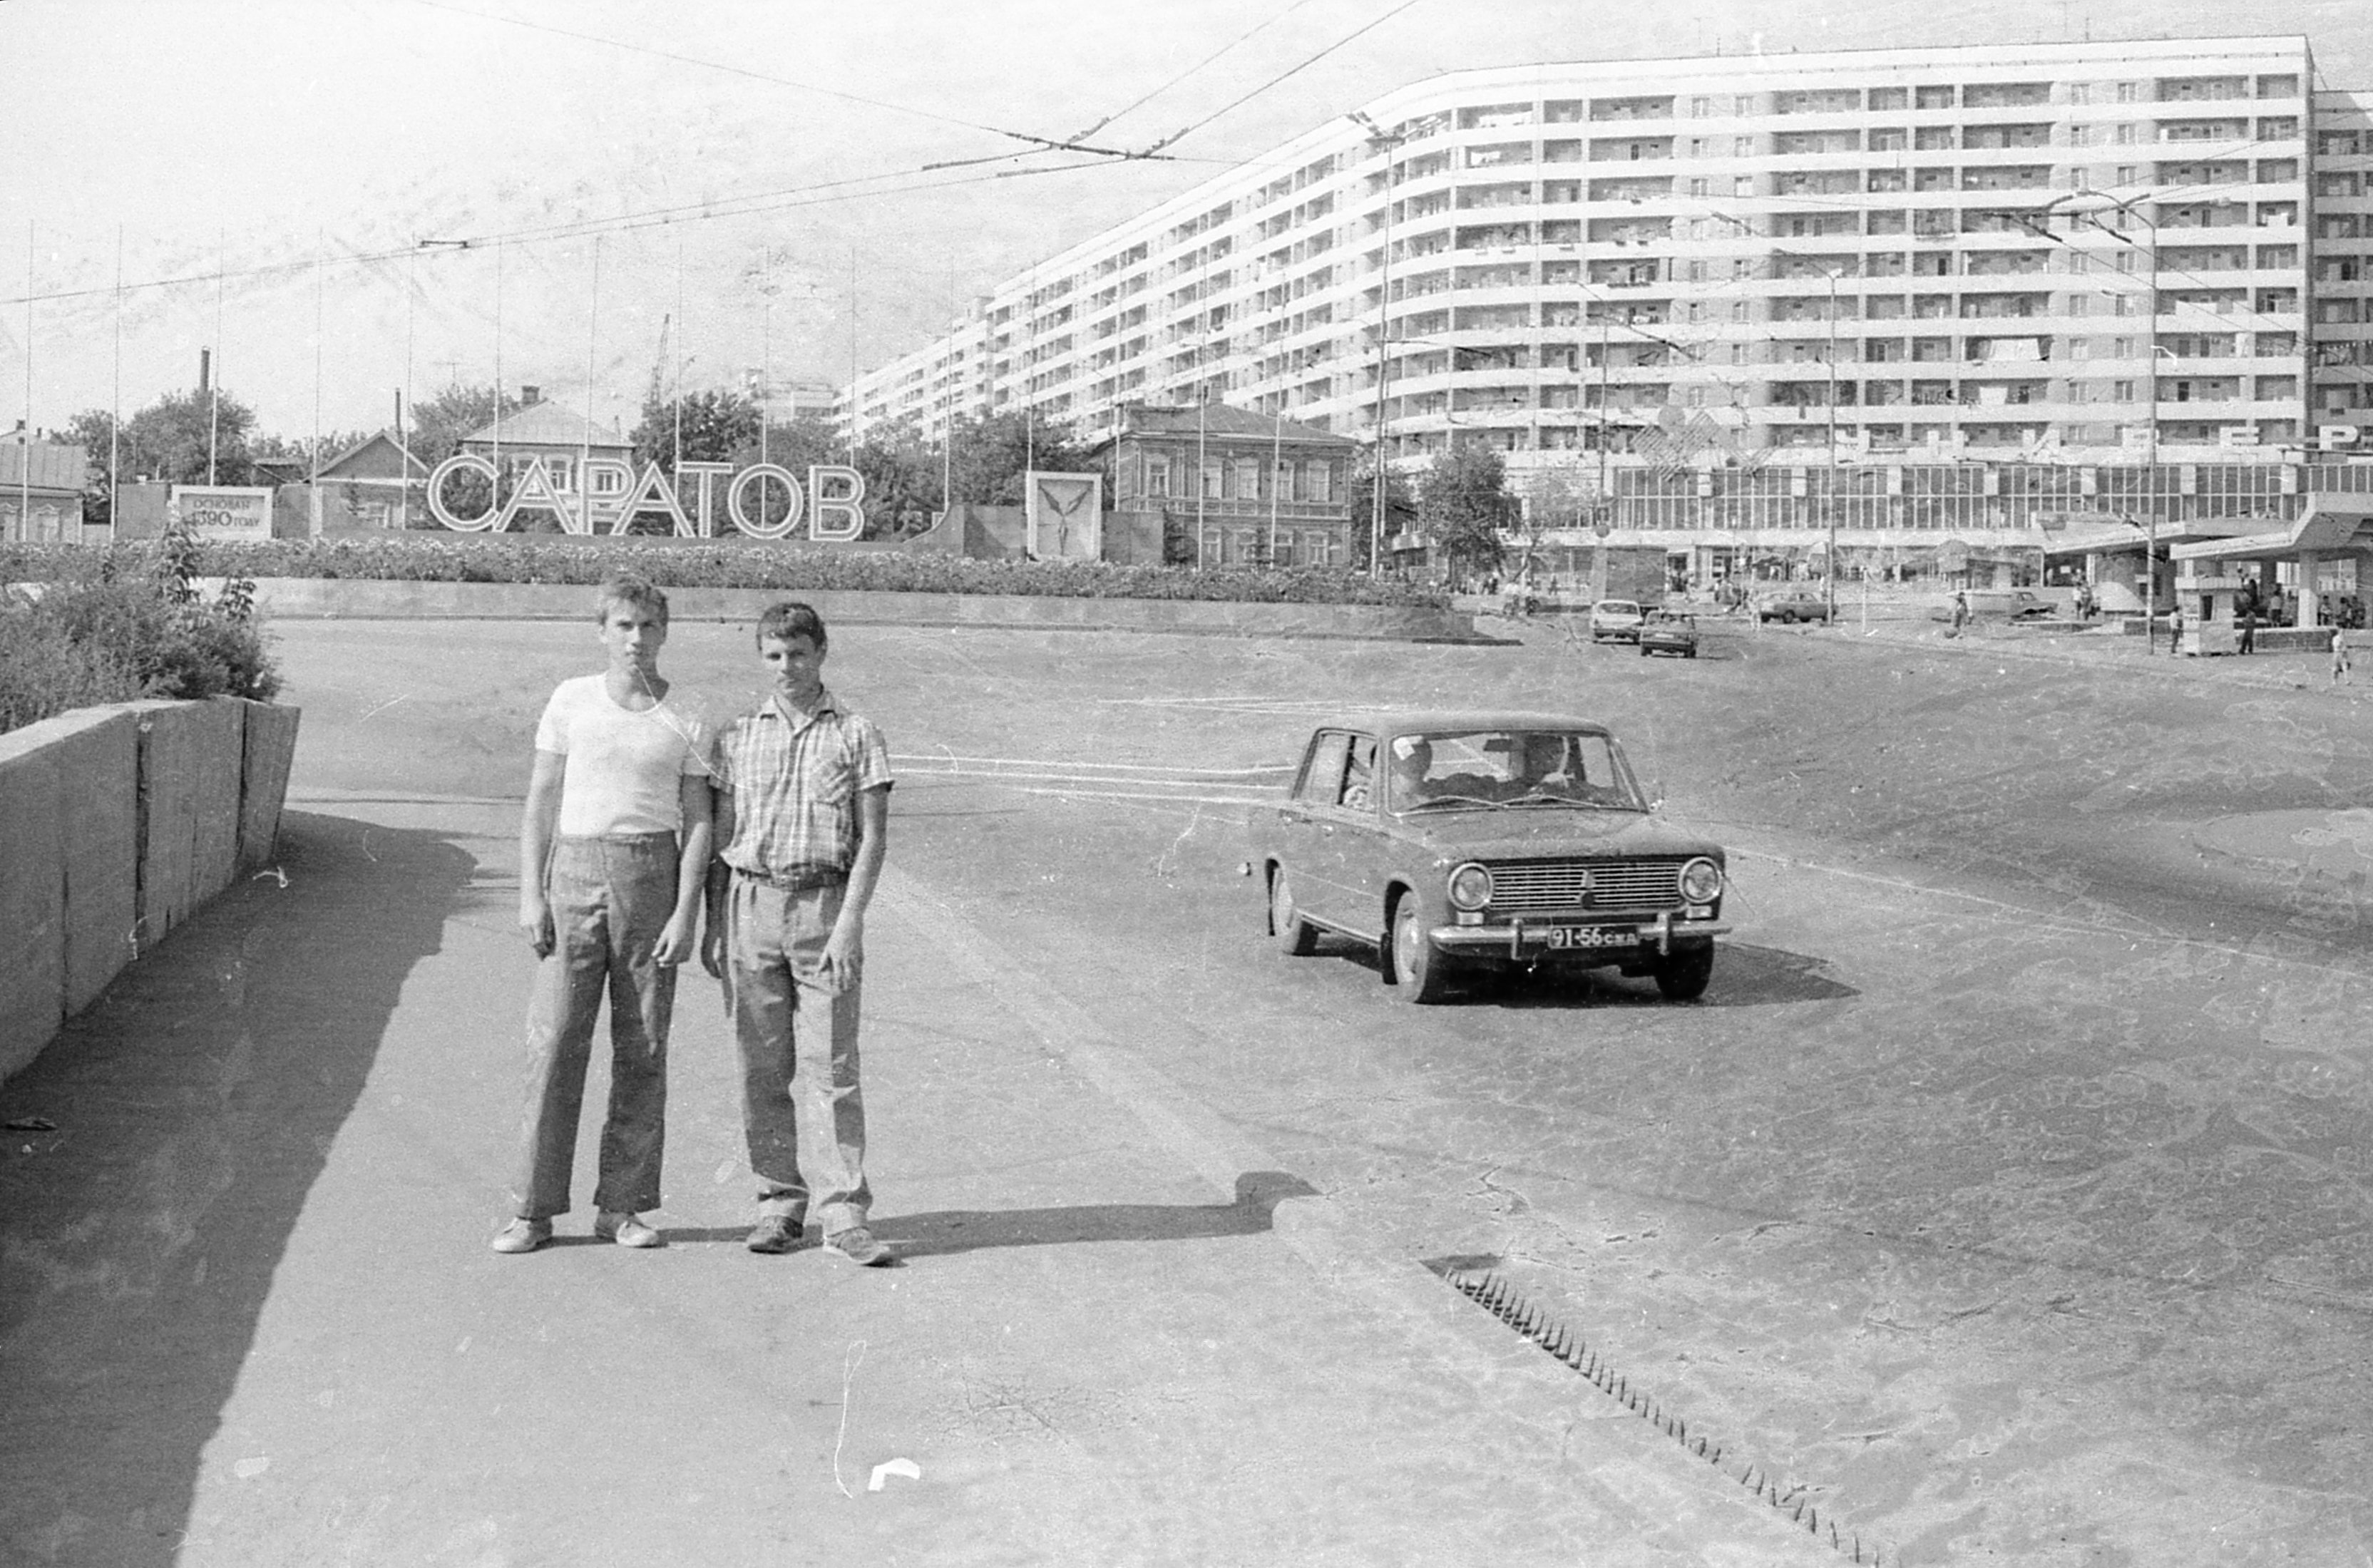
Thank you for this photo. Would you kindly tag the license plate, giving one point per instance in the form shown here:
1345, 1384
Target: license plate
1589, 936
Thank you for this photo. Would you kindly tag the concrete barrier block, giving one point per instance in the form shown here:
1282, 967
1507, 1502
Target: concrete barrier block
220, 726
33, 896
99, 760
271, 750
169, 790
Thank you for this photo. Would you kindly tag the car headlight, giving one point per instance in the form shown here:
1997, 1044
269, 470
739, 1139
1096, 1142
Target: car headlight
1701, 882
1470, 887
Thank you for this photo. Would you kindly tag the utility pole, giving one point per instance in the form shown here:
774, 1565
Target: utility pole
1387, 143
1830, 481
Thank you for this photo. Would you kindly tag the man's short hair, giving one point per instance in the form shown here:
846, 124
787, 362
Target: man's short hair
789, 619
626, 588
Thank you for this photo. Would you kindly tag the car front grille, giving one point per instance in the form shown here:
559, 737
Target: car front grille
1518, 886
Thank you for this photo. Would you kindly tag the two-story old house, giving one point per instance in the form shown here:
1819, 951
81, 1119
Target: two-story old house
1239, 487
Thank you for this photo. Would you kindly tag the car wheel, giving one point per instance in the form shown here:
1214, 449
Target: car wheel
1692, 653
1415, 970
1295, 937
1684, 974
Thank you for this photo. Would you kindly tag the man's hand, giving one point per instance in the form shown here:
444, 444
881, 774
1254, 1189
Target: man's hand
844, 957
675, 941
535, 919
712, 950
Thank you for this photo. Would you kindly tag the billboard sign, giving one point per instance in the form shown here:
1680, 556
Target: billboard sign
222, 511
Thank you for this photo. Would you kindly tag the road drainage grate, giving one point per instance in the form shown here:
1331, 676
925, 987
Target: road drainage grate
1487, 1289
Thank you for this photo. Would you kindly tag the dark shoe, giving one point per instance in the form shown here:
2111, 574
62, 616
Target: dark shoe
522, 1236
856, 1245
775, 1232
626, 1230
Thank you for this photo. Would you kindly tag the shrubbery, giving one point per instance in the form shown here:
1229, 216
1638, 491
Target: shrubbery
700, 564
82, 628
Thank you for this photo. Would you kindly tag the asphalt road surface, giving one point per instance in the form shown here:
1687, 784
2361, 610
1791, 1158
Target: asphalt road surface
2005, 1198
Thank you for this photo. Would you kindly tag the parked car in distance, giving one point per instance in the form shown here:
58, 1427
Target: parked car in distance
1998, 604
1792, 607
1463, 842
1615, 620
1668, 631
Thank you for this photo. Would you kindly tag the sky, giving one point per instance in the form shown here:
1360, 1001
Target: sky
348, 198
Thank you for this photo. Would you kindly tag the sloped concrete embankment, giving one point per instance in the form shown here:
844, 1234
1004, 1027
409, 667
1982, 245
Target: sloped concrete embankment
371, 599
120, 823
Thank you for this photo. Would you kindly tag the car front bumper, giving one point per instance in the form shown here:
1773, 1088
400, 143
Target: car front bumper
1522, 939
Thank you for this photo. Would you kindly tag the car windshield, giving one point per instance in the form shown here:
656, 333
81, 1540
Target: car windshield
1509, 770
1617, 607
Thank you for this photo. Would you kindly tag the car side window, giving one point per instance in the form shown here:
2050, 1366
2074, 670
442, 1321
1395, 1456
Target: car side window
1322, 775
1359, 775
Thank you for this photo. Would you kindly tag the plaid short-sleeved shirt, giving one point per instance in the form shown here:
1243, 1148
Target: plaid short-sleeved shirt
794, 782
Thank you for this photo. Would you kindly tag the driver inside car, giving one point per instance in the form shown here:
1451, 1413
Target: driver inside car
1540, 768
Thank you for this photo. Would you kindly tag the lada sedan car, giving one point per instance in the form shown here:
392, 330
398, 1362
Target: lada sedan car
1615, 620
1794, 607
1668, 631
1465, 842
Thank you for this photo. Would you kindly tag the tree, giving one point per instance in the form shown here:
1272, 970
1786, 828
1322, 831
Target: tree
988, 456
1465, 502
434, 428
1400, 506
170, 440
333, 442
901, 482
709, 426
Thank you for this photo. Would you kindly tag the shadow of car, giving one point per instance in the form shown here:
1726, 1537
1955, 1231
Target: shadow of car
1458, 843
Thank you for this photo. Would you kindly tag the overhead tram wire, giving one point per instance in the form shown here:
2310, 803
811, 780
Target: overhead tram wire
1236, 103
1242, 38
770, 202
1049, 144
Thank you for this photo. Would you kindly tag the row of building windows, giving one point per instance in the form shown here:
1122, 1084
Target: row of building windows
1799, 144
1231, 479
1853, 100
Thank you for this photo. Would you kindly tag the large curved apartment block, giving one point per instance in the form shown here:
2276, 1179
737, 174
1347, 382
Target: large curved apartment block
2096, 251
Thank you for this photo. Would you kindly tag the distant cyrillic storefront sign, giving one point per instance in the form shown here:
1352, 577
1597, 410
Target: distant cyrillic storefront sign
224, 511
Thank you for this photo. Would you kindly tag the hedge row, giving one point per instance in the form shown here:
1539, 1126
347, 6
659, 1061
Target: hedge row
415, 558
113, 626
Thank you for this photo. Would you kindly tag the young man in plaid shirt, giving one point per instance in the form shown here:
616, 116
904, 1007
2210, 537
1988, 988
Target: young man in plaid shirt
802, 818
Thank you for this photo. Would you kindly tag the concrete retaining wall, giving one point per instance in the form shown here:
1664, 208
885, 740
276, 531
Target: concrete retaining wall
116, 825
369, 599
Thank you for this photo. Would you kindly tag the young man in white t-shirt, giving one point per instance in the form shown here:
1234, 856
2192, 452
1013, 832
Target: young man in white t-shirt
613, 846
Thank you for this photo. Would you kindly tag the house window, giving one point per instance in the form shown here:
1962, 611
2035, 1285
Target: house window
1318, 482
1212, 470
1157, 476
1249, 478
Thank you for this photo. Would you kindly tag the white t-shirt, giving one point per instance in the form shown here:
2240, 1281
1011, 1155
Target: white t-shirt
623, 766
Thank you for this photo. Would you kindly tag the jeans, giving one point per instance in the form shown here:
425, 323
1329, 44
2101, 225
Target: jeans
610, 899
796, 1037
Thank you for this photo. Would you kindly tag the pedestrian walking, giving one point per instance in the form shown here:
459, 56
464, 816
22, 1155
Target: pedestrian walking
802, 824
1960, 612
614, 845
2249, 630
2339, 657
